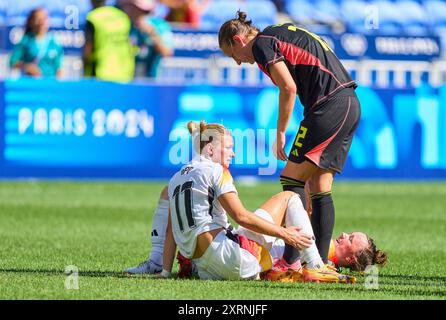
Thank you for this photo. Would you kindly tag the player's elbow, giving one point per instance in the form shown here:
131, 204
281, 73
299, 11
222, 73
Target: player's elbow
242, 217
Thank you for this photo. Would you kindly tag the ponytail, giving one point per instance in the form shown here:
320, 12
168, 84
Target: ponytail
239, 25
369, 256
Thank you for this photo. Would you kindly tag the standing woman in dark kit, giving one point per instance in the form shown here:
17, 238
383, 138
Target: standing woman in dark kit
301, 63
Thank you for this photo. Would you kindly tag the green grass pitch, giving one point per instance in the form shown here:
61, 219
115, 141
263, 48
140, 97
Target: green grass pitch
104, 227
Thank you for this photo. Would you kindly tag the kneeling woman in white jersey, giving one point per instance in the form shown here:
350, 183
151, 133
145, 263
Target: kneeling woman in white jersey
201, 195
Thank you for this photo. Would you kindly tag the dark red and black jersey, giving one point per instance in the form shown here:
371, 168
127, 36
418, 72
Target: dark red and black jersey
316, 70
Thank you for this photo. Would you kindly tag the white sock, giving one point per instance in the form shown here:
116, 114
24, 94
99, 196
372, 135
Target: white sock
159, 225
297, 216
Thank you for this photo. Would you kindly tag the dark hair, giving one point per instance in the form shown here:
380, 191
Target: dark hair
369, 256
235, 26
98, 3
30, 18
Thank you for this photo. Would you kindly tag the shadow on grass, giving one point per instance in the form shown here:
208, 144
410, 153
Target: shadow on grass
401, 285
389, 283
93, 274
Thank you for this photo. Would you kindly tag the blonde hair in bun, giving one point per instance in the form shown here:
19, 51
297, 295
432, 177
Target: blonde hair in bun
203, 133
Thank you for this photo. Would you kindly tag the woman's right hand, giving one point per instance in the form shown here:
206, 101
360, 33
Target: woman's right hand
279, 146
297, 239
32, 69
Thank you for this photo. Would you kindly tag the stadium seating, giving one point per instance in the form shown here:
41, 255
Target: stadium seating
327, 11
15, 12
217, 12
410, 17
436, 10
56, 10
414, 17
3, 11
262, 12
354, 14
300, 10
321, 16
390, 20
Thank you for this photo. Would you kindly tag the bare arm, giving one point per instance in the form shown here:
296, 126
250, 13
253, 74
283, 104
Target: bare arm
287, 98
170, 247
234, 207
158, 43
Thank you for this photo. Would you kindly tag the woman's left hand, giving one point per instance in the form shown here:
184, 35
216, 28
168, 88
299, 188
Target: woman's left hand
279, 146
297, 239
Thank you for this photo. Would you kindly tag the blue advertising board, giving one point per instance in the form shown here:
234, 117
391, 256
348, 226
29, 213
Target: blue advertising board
346, 45
202, 43
97, 129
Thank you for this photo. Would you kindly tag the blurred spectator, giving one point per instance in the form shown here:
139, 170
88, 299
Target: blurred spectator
186, 12
108, 53
152, 36
280, 5
38, 54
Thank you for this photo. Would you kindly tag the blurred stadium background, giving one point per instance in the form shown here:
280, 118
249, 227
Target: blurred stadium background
395, 50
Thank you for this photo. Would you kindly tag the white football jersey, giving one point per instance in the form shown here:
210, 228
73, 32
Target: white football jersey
193, 201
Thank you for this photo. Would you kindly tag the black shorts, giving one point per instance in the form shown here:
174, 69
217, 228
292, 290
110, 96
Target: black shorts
326, 133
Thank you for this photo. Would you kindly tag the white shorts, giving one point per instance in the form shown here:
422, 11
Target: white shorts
274, 245
225, 259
